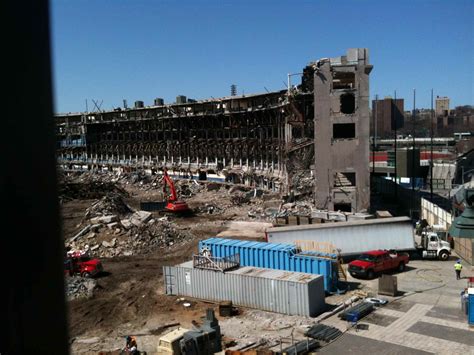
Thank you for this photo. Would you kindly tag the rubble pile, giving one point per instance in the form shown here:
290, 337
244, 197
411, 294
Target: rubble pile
239, 198
298, 208
187, 188
79, 287
87, 190
111, 204
303, 182
154, 235
210, 208
136, 233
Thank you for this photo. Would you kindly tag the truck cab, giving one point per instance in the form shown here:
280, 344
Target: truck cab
432, 246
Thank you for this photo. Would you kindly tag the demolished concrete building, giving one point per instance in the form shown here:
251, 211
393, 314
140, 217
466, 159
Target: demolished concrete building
267, 140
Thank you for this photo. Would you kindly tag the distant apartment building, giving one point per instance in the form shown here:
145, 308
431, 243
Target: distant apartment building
388, 115
442, 106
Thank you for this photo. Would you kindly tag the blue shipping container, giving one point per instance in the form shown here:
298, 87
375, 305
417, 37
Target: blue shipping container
274, 256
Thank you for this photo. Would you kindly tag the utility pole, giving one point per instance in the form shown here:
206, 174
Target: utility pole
431, 153
396, 133
413, 145
374, 113
413, 156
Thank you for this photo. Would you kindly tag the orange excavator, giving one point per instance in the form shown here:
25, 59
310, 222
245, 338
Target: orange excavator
174, 205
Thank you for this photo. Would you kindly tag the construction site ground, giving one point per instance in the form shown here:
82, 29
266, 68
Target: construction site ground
129, 297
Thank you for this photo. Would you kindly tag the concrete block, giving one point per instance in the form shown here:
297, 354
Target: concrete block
112, 225
126, 223
304, 220
108, 219
353, 54
143, 216
293, 220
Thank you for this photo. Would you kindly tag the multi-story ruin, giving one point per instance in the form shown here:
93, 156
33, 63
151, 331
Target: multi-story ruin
319, 128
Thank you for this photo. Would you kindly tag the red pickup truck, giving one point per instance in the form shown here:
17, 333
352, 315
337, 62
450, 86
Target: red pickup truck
373, 262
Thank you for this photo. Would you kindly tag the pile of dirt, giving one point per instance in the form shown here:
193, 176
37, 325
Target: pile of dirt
79, 287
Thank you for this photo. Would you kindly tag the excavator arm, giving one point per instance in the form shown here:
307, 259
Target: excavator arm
173, 205
170, 184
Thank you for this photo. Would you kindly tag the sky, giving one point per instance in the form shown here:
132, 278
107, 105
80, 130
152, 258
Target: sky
110, 50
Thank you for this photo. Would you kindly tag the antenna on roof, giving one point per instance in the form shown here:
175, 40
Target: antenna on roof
97, 105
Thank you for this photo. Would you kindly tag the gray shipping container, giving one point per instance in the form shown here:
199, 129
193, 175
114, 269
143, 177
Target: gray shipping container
292, 293
351, 238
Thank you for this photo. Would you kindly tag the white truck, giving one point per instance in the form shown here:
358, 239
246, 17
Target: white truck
432, 243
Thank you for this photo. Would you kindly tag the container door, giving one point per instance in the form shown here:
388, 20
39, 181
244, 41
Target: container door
292, 298
470, 306
170, 280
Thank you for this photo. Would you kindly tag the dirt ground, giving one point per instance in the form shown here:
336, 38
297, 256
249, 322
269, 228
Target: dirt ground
129, 294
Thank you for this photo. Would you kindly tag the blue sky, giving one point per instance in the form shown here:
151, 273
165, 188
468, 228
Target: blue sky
110, 50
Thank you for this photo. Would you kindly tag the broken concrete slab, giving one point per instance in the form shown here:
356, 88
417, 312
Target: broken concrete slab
113, 225
143, 216
126, 223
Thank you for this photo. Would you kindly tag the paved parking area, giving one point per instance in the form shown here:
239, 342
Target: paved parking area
427, 318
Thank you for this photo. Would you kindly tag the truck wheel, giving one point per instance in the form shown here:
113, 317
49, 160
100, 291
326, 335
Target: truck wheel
401, 267
370, 274
86, 275
443, 255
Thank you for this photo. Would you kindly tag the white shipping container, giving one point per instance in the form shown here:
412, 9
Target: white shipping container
292, 293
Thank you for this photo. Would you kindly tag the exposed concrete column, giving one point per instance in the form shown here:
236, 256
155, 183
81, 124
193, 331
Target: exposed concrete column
363, 129
322, 135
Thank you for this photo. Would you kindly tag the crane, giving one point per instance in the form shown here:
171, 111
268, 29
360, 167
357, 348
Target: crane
173, 205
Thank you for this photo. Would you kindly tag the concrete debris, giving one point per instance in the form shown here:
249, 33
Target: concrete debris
112, 225
126, 223
90, 235
139, 234
109, 244
81, 233
109, 205
142, 216
80, 287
